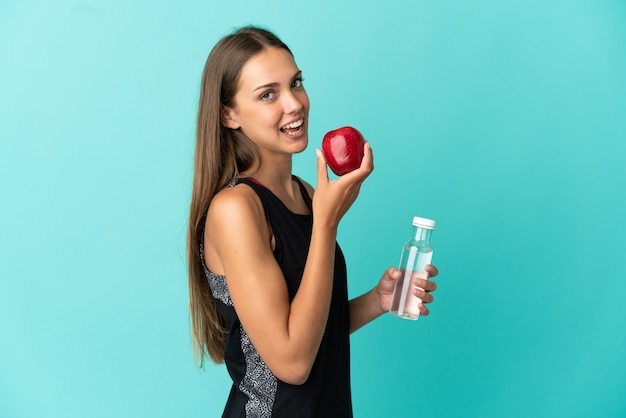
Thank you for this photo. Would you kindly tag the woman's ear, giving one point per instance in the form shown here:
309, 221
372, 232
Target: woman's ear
228, 118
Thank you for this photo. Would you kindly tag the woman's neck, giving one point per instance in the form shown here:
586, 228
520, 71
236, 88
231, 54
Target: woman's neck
278, 179
275, 173
280, 183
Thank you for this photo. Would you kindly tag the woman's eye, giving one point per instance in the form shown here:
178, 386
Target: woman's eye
297, 83
269, 95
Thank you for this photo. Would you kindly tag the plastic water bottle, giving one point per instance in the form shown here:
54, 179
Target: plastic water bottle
416, 254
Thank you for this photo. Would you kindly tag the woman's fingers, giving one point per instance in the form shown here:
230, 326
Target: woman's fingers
332, 199
366, 167
368, 158
431, 270
422, 289
424, 296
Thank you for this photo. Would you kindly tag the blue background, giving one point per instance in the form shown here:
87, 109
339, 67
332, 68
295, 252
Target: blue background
503, 120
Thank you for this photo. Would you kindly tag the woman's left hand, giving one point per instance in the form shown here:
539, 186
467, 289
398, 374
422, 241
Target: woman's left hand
422, 288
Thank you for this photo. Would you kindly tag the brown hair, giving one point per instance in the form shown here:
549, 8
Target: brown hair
220, 155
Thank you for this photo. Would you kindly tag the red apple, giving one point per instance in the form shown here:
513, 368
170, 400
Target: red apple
343, 149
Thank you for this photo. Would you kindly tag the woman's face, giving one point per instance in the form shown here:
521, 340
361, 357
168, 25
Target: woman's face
271, 105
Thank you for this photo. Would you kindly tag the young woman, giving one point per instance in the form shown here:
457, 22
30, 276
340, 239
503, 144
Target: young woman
267, 280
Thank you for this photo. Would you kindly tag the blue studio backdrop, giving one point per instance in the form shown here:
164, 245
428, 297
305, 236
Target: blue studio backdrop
505, 121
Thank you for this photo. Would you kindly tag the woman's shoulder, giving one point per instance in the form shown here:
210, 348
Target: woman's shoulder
235, 200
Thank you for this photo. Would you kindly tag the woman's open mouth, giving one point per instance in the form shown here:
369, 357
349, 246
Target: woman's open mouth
294, 128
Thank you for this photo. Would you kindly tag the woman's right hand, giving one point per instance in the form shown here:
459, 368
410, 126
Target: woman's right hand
333, 198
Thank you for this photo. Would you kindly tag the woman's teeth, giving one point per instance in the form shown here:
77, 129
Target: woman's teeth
293, 125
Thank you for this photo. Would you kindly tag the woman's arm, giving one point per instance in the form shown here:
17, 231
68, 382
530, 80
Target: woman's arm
286, 335
238, 245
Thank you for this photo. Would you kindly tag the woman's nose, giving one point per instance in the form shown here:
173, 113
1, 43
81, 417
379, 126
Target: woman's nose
292, 103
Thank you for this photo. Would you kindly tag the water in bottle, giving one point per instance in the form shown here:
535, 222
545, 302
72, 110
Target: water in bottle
416, 254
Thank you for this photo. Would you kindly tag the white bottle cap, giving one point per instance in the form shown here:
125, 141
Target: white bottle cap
423, 223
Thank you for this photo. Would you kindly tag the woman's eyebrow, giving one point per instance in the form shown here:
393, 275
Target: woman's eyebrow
268, 85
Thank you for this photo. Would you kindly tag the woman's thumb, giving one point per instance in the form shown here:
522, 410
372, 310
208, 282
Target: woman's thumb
322, 169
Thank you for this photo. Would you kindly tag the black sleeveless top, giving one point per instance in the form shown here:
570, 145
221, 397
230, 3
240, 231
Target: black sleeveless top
256, 392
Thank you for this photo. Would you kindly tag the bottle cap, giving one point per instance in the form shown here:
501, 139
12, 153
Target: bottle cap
423, 223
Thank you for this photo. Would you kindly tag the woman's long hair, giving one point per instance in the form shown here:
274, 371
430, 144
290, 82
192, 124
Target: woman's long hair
220, 155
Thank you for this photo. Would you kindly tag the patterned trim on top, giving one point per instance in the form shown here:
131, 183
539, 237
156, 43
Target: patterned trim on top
217, 282
259, 383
